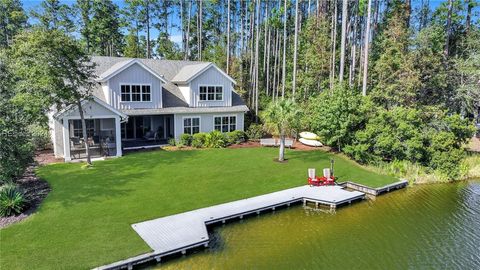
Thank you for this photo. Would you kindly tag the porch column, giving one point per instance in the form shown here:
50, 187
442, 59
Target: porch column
118, 136
66, 140
164, 126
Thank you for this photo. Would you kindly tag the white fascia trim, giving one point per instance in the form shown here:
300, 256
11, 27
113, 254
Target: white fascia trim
129, 64
205, 69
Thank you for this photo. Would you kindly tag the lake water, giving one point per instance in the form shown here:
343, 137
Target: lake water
423, 227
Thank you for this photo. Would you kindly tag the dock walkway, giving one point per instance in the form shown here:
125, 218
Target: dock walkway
177, 233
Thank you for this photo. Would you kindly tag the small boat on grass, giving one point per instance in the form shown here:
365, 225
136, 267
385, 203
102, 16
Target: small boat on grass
308, 135
308, 142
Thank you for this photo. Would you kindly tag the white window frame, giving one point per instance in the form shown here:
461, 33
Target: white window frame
141, 92
229, 123
191, 127
215, 95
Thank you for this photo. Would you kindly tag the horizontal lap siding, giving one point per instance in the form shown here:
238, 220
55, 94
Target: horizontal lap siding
135, 74
206, 121
211, 77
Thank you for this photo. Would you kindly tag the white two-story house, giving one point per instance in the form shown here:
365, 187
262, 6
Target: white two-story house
143, 102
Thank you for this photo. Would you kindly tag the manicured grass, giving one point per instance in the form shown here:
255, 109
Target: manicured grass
85, 220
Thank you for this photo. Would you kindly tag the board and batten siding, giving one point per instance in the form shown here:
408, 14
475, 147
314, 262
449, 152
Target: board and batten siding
135, 74
211, 76
206, 121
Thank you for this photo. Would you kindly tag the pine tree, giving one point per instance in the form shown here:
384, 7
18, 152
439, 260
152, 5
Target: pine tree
54, 15
12, 20
105, 34
394, 78
134, 45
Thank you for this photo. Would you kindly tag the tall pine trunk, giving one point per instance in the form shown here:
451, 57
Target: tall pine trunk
365, 49
344, 39
294, 81
334, 44
228, 37
470, 4
257, 39
147, 24
187, 45
354, 47
448, 31
284, 48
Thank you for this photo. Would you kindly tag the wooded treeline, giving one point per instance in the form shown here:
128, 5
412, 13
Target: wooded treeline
400, 53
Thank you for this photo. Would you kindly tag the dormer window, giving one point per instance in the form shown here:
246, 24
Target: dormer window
211, 93
136, 92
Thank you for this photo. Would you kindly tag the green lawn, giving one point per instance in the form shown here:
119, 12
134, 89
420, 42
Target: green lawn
85, 220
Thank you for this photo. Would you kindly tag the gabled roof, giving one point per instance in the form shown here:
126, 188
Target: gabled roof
70, 108
190, 72
172, 96
121, 66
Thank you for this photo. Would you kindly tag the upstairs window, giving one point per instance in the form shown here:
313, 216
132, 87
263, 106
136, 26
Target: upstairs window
191, 125
225, 123
125, 92
211, 93
146, 93
135, 92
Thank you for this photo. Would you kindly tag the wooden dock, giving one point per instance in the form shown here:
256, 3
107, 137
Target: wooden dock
180, 232
375, 191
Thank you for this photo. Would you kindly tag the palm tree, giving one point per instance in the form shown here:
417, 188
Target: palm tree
281, 117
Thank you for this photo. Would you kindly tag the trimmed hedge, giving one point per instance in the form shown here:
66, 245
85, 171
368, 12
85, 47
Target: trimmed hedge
236, 136
216, 139
198, 140
185, 139
255, 132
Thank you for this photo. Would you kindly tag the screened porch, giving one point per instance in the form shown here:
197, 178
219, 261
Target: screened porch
101, 138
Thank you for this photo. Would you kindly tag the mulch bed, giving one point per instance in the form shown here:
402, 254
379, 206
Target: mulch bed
296, 146
43, 157
36, 189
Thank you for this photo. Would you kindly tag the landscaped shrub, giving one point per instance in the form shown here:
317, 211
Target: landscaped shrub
185, 139
255, 132
40, 136
215, 139
427, 137
12, 200
172, 142
236, 136
16, 149
198, 139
